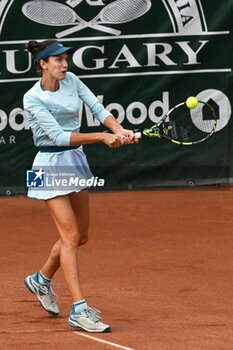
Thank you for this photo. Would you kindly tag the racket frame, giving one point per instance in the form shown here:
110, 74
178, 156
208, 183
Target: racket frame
154, 130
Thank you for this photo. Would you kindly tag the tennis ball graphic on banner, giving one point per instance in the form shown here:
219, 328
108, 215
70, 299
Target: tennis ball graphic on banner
191, 102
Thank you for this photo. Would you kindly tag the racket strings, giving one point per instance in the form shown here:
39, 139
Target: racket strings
123, 11
190, 125
178, 132
49, 13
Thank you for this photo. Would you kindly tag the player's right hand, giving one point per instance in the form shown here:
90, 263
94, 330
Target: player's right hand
113, 140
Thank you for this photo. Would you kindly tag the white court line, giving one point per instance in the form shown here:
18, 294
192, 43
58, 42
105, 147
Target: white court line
104, 341
54, 330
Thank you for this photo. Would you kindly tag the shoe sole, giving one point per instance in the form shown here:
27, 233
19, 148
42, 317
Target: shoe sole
31, 289
74, 325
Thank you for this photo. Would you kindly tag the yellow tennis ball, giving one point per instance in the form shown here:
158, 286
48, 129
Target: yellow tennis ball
191, 102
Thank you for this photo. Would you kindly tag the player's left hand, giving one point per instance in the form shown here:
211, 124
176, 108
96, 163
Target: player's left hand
128, 136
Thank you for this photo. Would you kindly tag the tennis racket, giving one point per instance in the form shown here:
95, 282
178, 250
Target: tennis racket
119, 11
56, 14
184, 126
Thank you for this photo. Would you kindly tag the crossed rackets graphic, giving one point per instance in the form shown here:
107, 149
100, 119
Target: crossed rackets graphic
56, 14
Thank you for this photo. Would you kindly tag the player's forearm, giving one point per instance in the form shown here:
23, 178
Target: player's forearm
77, 139
112, 124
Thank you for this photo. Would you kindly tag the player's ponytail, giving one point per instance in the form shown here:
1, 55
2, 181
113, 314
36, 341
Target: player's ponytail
34, 47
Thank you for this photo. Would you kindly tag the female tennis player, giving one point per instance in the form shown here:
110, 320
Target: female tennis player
52, 106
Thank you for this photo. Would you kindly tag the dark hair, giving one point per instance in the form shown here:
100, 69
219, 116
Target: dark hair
34, 47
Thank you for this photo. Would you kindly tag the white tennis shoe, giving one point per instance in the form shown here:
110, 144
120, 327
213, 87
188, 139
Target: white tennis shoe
43, 292
87, 319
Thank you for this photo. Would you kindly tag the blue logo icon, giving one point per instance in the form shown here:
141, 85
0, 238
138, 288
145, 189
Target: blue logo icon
35, 178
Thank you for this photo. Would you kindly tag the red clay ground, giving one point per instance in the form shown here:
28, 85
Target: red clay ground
158, 265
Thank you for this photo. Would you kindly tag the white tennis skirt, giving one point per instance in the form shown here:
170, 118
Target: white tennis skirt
59, 173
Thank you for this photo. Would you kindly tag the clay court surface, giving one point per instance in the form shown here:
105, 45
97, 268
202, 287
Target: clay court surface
159, 265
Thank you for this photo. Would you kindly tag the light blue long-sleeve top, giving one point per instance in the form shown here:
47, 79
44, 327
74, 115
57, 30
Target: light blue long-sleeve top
53, 116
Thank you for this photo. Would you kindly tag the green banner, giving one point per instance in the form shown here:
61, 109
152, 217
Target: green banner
140, 58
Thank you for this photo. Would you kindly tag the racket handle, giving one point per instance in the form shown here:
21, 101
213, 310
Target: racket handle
138, 135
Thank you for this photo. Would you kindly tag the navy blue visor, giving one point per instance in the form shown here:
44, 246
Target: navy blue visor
54, 49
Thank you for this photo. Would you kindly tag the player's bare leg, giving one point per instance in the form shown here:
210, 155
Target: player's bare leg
53, 262
80, 205
65, 220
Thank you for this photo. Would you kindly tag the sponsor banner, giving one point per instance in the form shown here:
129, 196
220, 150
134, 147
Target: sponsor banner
140, 58
186, 16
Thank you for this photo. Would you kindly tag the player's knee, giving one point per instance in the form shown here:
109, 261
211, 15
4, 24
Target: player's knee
71, 240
